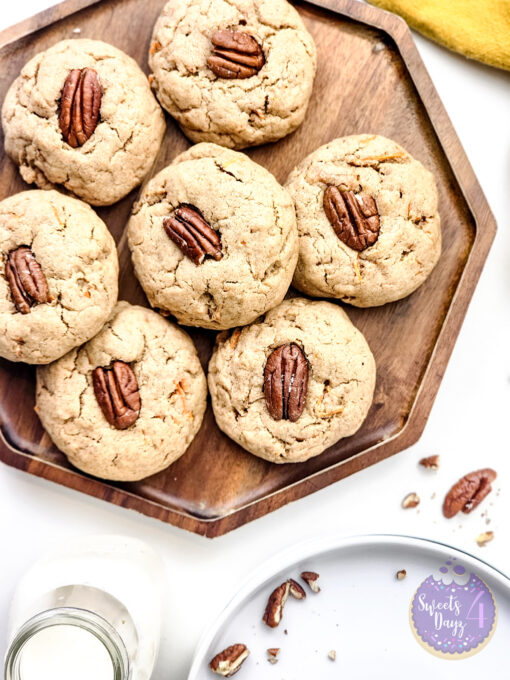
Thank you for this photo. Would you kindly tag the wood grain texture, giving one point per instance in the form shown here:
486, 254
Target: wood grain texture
370, 79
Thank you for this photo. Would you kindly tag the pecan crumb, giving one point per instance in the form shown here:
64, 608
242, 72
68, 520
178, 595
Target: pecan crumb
485, 538
401, 575
332, 655
412, 500
272, 654
430, 462
296, 590
311, 578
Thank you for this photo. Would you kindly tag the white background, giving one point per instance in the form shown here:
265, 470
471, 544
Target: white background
468, 426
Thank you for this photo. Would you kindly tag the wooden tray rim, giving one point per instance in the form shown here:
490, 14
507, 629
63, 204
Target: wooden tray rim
485, 230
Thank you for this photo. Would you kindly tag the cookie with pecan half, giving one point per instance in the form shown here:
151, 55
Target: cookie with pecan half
368, 221
294, 382
213, 239
82, 115
130, 401
58, 275
233, 73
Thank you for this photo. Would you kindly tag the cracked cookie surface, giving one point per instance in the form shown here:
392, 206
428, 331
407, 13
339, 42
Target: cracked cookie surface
78, 258
340, 389
409, 242
123, 146
233, 112
255, 219
172, 389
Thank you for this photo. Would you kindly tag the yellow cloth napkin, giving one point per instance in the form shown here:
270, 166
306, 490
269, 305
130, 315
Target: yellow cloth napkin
480, 29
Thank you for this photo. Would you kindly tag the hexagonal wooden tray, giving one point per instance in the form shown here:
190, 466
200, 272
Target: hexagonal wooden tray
370, 79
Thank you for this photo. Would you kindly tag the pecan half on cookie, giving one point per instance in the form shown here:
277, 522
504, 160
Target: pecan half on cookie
354, 217
468, 492
235, 55
286, 382
26, 279
79, 106
117, 394
192, 234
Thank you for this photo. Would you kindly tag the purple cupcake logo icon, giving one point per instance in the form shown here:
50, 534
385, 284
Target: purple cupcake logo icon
453, 613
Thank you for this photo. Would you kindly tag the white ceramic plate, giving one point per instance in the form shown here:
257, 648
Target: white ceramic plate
367, 616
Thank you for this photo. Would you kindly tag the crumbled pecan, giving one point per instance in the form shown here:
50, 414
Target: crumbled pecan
311, 578
296, 590
272, 654
483, 539
188, 229
116, 391
235, 55
412, 500
430, 462
354, 217
26, 279
230, 660
80, 103
468, 492
286, 382
401, 575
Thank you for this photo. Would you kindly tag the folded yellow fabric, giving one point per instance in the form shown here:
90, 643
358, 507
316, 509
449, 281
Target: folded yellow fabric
480, 29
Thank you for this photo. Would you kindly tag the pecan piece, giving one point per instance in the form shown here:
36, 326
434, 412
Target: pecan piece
430, 462
79, 106
468, 492
117, 394
485, 538
354, 217
401, 574
311, 578
272, 654
26, 279
296, 590
230, 660
275, 604
412, 500
286, 382
235, 55
192, 234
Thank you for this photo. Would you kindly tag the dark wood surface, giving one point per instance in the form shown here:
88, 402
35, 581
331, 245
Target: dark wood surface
370, 79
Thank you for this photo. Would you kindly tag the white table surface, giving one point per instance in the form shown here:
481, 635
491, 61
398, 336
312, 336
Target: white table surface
467, 427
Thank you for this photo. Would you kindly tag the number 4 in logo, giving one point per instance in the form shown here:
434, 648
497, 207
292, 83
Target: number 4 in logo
480, 618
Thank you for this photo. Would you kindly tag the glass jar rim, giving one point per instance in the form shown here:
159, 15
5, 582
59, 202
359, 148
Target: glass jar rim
71, 616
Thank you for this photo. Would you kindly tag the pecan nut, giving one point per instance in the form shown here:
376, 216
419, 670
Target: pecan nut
230, 660
296, 590
286, 382
117, 394
485, 538
192, 234
235, 55
412, 500
79, 106
430, 462
26, 279
311, 578
274, 608
354, 217
468, 492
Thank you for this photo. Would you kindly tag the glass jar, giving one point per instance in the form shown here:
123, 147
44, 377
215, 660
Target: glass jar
90, 609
